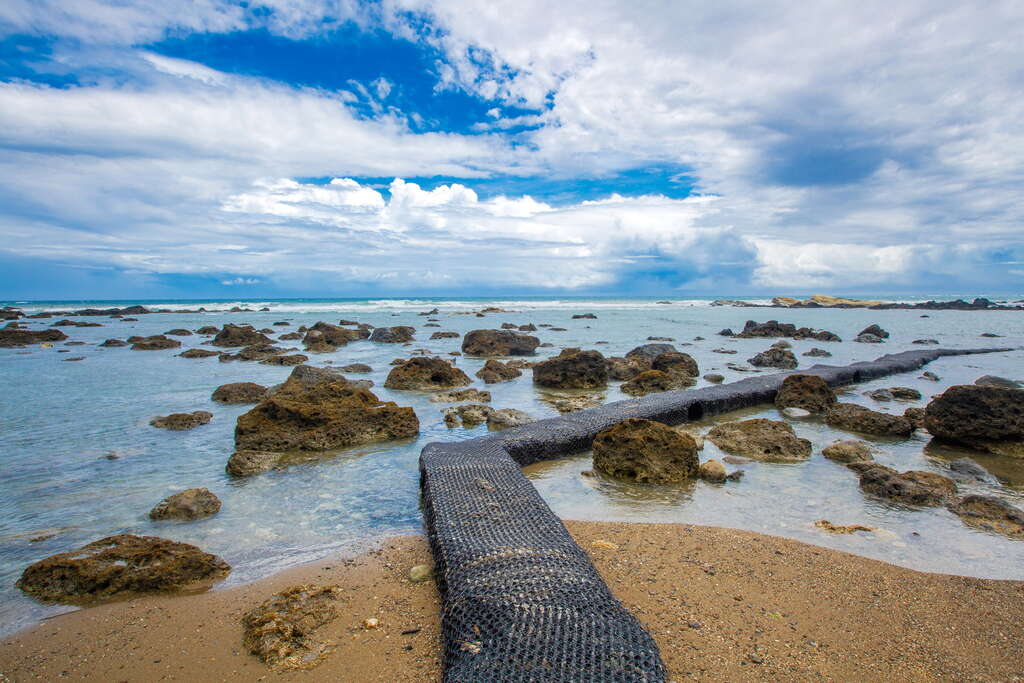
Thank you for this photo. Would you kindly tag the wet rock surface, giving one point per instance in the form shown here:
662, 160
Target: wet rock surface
991, 514
282, 630
654, 381
426, 374
507, 418
187, 505
809, 392
774, 357
239, 335
199, 353
468, 415
182, 421
761, 439
572, 369
494, 371
847, 451
499, 343
857, 418
459, 395
673, 361
393, 335
157, 342
645, 451
120, 565
910, 488
239, 392
650, 351
988, 418
773, 328
626, 368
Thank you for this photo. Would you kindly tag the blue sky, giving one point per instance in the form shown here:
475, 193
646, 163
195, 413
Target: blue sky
269, 148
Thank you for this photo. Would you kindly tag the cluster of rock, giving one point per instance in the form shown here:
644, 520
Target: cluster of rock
773, 328
499, 343
777, 356
472, 414
825, 301
12, 336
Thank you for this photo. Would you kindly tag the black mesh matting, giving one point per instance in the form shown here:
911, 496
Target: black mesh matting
520, 600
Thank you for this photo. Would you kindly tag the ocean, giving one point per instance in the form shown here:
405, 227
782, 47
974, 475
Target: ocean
80, 460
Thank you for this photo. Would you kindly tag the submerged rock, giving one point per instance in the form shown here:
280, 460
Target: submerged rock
507, 418
570, 404
445, 335
239, 335
393, 335
654, 381
991, 514
468, 415
118, 565
190, 504
817, 353
572, 369
320, 415
860, 419
182, 421
993, 381
712, 471
281, 631
761, 439
645, 451
987, 418
773, 328
157, 342
966, 468
714, 378
911, 488
848, 451
499, 343
294, 359
239, 392
356, 368
114, 342
426, 374
809, 392
199, 353
494, 371
461, 395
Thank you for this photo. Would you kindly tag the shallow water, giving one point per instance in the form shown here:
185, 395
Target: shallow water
80, 460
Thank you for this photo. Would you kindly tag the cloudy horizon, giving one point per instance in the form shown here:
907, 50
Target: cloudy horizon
270, 148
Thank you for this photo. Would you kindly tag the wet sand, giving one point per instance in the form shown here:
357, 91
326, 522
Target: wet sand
723, 605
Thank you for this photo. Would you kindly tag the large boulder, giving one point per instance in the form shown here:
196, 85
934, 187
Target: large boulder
495, 371
182, 421
621, 369
983, 417
857, 418
119, 565
809, 392
499, 343
157, 342
239, 392
773, 328
426, 374
645, 451
911, 488
761, 439
673, 361
991, 514
572, 369
188, 505
321, 416
650, 351
393, 335
775, 357
239, 335
994, 381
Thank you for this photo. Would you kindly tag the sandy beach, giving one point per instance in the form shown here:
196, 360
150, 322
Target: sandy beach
723, 605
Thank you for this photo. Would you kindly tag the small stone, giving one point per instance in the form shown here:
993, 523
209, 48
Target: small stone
372, 622
421, 573
796, 412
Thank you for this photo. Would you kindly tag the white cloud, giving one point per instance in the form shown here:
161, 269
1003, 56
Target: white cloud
241, 281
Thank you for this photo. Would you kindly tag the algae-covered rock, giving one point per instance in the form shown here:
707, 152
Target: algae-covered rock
989, 418
645, 451
182, 421
761, 439
857, 418
426, 374
282, 630
809, 392
499, 343
189, 504
239, 392
572, 369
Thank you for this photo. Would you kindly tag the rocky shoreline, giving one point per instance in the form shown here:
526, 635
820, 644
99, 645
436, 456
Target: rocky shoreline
825, 301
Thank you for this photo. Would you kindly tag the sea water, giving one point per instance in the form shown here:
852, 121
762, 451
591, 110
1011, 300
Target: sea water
80, 461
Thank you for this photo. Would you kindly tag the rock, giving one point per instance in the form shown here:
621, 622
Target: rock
792, 412
572, 369
498, 343
239, 335
809, 392
991, 335
570, 404
673, 361
653, 381
281, 631
190, 504
256, 352
114, 342
356, 368
645, 451
326, 338
905, 393
495, 371
988, 418
282, 323
841, 529
910, 488
426, 374
245, 463
993, 381
294, 359
421, 573
712, 470
393, 335
291, 336
661, 339
774, 358
321, 416
529, 327
991, 514
930, 342
469, 415
875, 331
915, 416
782, 344
650, 351
817, 353
182, 421
761, 439
75, 323
714, 378
509, 326
584, 316
968, 469
868, 339
118, 565
239, 392
461, 395
931, 376
157, 342
848, 451
199, 353
857, 418
208, 329
507, 418
626, 368
178, 332
309, 376
773, 328
879, 394
445, 335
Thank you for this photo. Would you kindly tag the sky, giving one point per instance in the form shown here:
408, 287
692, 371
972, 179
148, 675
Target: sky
300, 148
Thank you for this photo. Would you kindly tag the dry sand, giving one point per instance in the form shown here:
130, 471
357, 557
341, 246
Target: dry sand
723, 605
